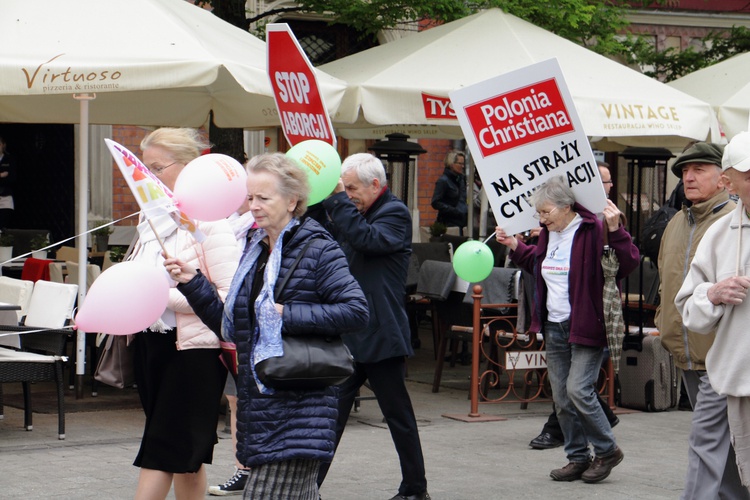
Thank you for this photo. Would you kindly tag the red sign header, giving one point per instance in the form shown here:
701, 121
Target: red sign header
436, 107
519, 117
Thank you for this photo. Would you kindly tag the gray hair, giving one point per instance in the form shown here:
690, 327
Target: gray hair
450, 158
367, 167
292, 179
184, 144
555, 191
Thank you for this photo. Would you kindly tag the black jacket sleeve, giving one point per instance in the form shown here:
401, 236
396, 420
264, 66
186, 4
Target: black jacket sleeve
206, 304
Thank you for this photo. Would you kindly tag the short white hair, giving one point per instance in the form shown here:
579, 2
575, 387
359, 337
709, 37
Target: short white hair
367, 167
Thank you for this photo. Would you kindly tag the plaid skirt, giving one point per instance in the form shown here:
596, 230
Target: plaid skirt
288, 480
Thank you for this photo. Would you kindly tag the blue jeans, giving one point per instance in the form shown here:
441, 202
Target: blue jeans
573, 370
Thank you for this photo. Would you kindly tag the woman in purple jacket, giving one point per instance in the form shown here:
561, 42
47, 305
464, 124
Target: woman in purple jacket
568, 308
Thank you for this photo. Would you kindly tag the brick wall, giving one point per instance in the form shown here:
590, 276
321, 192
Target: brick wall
431, 167
123, 201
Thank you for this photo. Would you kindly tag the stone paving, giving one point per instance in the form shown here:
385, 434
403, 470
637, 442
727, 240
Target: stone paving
464, 461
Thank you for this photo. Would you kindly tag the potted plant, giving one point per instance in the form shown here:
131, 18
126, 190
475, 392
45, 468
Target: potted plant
6, 247
37, 243
101, 234
437, 229
117, 253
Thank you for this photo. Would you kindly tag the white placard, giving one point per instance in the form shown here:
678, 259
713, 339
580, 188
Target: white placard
522, 128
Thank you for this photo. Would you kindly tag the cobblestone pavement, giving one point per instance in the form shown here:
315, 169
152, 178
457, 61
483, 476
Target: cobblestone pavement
464, 461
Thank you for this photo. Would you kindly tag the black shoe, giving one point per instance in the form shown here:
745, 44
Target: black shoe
419, 496
545, 441
235, 485
602, 466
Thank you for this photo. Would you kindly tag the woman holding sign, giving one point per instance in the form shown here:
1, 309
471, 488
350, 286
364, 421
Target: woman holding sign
177, 360
568, 309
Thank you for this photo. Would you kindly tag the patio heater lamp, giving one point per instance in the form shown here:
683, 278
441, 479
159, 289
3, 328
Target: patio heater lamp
399, 156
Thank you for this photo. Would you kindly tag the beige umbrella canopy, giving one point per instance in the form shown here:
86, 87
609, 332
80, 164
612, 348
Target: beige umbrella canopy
404, 85
150, 62
726, 86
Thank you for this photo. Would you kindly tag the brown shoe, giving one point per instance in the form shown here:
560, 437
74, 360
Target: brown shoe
602, 466
571, 472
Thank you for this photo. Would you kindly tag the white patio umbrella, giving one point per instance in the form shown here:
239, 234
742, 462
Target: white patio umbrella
403, 85
726, 86
135, 62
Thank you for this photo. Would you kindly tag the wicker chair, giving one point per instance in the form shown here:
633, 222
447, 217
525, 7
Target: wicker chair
40, 359
41, 356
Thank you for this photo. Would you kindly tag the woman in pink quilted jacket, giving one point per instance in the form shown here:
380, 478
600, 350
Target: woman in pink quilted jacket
178, 370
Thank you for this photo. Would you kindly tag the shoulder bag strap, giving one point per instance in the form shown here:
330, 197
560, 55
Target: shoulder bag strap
281, 285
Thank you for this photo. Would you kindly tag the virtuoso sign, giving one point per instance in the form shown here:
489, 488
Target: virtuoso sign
295, 89
522, 128
46, 79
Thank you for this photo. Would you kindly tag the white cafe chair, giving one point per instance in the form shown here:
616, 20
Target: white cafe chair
15, 291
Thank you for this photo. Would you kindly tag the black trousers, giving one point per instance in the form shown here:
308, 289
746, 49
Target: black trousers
552, 426
387, 381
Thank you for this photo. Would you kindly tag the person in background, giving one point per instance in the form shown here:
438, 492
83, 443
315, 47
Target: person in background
177, 367
476, 197
8, 175
568, 308
704, 326
449, 197
282, 436
605, 175
241, 221
374, 230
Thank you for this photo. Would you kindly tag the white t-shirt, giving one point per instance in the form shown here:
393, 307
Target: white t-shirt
555, 269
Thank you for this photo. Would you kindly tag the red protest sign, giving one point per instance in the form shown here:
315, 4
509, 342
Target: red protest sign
295, 89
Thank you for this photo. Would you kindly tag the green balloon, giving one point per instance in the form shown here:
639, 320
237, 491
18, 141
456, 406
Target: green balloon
473, 261
322, 163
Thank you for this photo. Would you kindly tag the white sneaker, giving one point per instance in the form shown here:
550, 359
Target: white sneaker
235, 485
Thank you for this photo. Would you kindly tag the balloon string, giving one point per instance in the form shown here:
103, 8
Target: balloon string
19, 257
489, 238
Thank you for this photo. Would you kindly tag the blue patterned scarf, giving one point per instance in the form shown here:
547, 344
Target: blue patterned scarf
267, 332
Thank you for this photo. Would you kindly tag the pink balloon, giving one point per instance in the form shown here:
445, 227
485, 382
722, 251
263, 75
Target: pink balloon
211, 187
126, 298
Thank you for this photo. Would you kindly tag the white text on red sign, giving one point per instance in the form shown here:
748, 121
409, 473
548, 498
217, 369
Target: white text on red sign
519, 117
436, 107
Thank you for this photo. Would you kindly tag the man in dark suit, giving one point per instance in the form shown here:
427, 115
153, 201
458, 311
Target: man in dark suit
373, 228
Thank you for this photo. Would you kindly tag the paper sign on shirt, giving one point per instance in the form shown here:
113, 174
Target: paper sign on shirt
295, 89
522, 128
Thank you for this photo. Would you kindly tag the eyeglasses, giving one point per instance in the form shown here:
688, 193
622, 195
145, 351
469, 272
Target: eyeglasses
545, 214
159, 170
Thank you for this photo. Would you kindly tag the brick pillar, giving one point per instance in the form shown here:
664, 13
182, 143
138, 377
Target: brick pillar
430, 168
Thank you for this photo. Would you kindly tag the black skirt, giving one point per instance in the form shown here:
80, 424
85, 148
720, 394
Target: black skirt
180, 392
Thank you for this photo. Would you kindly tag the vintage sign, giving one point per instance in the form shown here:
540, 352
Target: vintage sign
525, 360
522, 128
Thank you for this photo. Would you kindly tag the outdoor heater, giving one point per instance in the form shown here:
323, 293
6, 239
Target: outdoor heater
399, 156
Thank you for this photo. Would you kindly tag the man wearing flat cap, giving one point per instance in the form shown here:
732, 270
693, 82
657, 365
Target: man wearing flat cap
712, 471
712, 300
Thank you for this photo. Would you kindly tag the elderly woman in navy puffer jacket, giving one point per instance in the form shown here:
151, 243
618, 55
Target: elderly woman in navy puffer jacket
282, 436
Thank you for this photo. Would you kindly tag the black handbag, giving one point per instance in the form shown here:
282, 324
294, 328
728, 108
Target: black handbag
310, 361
